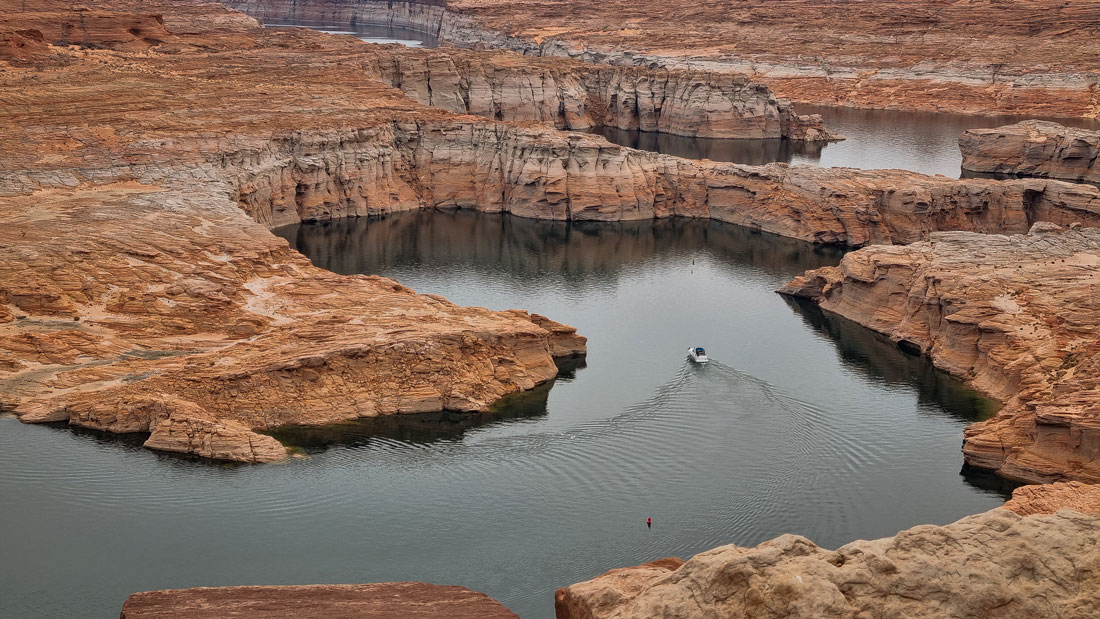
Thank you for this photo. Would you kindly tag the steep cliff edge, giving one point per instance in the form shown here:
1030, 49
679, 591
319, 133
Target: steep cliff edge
1017, 316
996, 564
1034, 57
1033, 148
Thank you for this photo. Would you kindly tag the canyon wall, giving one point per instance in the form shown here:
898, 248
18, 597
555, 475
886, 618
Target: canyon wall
540, 173
954, 56
1016, 316
1033, 148
996, 564
581, 96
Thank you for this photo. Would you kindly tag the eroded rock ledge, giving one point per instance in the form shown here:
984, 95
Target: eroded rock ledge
996, 564
386, 600
1017, 316
1033, 148
956, 55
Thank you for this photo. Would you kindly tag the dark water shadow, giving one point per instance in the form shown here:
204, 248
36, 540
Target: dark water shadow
877, 357
415, 428
586, 254
746, 151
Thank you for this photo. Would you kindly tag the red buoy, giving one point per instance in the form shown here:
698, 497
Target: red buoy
648, 522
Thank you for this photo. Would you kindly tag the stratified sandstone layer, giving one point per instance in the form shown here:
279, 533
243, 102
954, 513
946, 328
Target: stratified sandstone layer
580, 96
1016, 316
1049, 498
1033, 148
387, 600
1034, 57
996, 564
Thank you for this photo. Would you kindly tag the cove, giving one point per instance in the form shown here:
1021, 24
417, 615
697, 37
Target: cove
802, 423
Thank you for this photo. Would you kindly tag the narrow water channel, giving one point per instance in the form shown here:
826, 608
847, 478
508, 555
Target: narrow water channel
803, 423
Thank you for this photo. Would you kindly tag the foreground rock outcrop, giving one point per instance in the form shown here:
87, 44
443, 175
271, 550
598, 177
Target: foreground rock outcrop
1034, 57
386, 600
996, 564
1016, 316
1033, 148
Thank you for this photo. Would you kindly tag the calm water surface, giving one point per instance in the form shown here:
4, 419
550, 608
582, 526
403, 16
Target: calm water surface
922, 142
802, 423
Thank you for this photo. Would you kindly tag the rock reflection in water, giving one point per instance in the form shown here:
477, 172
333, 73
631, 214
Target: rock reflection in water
421, 428
877, 357
586, 254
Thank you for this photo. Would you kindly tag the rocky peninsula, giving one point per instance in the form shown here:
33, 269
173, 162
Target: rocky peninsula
1033, 148
957, 55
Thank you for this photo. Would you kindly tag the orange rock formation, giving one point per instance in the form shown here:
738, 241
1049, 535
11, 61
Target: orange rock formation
1033, 57
1033, 148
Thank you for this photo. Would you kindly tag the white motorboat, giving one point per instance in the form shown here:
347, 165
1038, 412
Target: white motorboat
697, 354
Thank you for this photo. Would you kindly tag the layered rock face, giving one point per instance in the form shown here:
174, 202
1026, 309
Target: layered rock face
576, 95
539, 173
386, 600
1033, 148
996, 564
1033, 57
1017, 316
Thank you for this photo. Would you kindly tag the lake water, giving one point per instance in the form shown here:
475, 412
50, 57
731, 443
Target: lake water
923, 142
371, 33
802, 423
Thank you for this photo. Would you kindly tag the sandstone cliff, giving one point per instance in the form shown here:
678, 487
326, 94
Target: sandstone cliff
996, 564
1033, 57
581, 96
1033, 148
386, 600
1016, 316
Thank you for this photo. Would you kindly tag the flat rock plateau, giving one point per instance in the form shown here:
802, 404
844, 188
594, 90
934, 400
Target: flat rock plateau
386, 600
1035, 57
